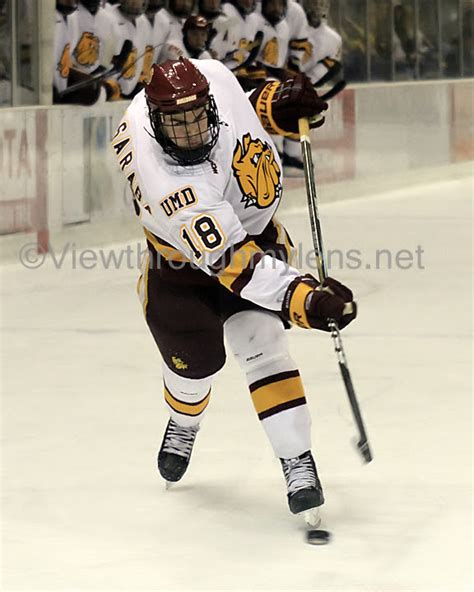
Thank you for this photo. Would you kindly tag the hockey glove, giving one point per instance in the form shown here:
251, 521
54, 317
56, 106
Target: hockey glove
279, 105
309, 304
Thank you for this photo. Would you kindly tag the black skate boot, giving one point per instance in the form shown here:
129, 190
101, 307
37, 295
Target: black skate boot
304, 488
175, 451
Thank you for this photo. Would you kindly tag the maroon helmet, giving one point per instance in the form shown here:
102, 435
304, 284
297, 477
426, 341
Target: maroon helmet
196, 21
183, 114
196, 31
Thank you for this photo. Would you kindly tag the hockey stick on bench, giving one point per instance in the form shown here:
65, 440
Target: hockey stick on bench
303, 124
119, 63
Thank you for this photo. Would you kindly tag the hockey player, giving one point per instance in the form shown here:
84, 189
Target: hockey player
300, 50
272, 22
219, 32
96, 43
153, 7
152, 47
241, 41
206, 181
300, 47
193, 41
325, 61
131, 23
326, 43
169, 26
66, 36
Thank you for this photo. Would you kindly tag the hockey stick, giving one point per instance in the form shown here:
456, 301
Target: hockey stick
335, 90
118, 64
252, 54
303, 124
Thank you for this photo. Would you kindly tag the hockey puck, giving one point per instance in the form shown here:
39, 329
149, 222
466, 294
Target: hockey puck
318, 537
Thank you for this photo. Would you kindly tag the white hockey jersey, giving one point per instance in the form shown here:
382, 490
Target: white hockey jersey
219, 45
95, 34
240, 34
275, 45
138, 33
208, 213
326, 43
167, 26
65, 38
300, 47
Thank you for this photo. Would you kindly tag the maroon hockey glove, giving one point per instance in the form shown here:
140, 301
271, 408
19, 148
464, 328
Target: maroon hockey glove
309, 304
279, 105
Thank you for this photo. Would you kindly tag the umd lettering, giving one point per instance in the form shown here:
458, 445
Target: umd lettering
180, 199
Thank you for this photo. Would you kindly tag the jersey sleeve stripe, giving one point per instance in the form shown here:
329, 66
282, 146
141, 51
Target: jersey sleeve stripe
240, 270
226, 258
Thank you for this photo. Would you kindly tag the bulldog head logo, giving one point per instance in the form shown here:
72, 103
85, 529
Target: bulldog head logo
87, 50
257, 172
130, 67
270, 52
65, 63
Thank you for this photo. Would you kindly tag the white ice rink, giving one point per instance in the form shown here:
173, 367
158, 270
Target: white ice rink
85, 509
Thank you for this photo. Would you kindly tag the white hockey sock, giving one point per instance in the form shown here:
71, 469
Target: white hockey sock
186, 398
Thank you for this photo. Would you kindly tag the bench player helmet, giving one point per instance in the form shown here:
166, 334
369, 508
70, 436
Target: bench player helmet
245, 7
66, 7
210, 8
181, 8
132, 8
274, 10
153, 6
316, 11
91, 5
183, 114
196, 31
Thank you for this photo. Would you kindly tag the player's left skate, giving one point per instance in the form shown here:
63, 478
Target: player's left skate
175, 451
305, 493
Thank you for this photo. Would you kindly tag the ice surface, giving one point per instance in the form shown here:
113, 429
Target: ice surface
84, 507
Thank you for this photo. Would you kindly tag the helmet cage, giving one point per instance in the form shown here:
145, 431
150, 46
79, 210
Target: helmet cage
170, 134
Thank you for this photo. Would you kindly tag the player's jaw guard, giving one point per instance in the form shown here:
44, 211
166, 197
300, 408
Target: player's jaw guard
179, 88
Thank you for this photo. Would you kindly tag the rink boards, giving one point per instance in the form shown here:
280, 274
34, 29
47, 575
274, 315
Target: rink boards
58, 171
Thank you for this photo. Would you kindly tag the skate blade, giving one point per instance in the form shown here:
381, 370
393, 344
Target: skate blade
168, 485
312, 517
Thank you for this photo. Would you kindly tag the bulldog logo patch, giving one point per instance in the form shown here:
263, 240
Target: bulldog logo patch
257, 172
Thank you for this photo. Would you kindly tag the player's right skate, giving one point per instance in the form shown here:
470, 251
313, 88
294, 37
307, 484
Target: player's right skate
305, 493
175, 451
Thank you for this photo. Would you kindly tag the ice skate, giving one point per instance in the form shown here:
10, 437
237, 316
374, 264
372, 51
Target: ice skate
305, 493
175, 451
